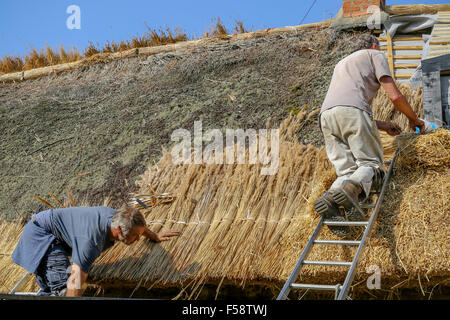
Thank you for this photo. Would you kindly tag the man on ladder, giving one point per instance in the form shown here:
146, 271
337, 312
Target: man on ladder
352, 141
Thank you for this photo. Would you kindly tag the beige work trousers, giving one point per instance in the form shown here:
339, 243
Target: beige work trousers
353, 145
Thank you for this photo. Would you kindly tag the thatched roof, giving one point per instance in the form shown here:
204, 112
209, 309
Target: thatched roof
238, 226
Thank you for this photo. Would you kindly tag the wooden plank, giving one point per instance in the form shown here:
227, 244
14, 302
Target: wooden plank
439, 46
390, 54
402, 39
440, 42
437, 54
404, 47
406, 66
403, 75
409, 57
442, 38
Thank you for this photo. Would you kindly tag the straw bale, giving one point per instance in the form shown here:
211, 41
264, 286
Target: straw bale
383, 109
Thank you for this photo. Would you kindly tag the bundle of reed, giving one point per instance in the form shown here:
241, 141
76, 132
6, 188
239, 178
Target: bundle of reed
425, 151
10, 273
383, 109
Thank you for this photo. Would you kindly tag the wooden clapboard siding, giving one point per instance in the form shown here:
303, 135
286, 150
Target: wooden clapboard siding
440, 36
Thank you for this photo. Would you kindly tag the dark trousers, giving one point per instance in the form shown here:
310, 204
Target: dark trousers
54, 270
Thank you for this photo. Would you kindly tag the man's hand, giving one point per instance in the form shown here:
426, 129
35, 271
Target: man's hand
165, 235
391, 128
160, 236
418, 123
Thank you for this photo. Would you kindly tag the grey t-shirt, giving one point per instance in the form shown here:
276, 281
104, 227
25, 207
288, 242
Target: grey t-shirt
356, 80
83, 229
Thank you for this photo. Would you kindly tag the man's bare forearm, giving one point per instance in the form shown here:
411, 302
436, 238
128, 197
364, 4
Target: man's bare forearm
75, 281
402, 105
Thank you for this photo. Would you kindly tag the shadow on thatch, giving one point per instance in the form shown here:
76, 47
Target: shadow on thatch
135, 273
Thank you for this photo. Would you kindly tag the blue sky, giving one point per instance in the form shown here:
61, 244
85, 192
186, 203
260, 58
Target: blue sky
26, 24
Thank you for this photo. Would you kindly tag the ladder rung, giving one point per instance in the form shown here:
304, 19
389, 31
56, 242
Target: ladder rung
314, 286
346, 223
343, 242
327, 263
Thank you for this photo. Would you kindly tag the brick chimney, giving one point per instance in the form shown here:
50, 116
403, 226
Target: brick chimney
356, 8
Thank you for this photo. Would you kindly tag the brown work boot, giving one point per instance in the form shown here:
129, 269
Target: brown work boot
378, 180
327, 208
347, 195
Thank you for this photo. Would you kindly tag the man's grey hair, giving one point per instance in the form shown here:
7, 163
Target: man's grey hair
365, 41
128, 218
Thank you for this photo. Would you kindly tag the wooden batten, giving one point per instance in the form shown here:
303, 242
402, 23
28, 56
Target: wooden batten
409, 57
401, 38
406, 66
403, 75
403, 47
390, 54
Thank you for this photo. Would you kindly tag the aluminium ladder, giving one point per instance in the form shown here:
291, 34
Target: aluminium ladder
341, 291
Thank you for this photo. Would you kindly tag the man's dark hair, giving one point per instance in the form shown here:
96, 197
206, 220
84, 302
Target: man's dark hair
365, 41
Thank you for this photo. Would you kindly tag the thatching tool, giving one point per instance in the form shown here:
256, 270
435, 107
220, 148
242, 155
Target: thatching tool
148, 201
341, 291
429, 126
141, 203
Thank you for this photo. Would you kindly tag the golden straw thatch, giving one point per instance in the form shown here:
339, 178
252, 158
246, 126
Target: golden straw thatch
238, 226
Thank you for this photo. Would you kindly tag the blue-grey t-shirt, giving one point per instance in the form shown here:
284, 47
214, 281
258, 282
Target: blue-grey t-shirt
83, 229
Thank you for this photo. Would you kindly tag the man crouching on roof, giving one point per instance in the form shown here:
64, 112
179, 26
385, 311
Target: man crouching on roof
83, 233
352, 140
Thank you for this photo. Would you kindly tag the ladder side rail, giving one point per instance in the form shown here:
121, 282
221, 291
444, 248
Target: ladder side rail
351, 273
18, 283
294, 274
